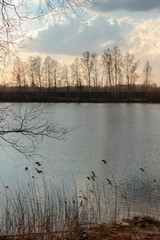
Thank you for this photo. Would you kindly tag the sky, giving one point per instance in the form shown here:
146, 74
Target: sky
132, 25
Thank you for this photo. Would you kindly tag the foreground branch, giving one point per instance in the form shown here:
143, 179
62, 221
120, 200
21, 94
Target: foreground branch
25, 127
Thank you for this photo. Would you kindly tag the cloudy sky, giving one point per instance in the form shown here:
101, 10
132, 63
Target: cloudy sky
133, 25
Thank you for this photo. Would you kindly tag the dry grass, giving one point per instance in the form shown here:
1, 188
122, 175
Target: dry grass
143, 228
94, 213
137, 228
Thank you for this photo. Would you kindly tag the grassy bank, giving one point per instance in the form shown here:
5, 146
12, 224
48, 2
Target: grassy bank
137, 228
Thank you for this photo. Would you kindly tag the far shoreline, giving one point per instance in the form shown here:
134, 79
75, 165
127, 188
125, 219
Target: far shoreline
65, 95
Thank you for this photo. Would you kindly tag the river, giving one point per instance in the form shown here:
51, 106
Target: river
126, 136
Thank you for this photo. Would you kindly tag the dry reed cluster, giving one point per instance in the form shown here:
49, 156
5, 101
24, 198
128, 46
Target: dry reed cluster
47, 213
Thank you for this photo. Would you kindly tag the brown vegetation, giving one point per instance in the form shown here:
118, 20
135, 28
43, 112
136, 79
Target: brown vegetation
137, 228
144, 228
97, 213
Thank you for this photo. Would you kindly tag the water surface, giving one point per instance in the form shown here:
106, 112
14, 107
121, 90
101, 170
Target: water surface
127, 136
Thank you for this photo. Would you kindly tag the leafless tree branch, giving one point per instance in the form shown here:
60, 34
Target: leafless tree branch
14, 13
24, 128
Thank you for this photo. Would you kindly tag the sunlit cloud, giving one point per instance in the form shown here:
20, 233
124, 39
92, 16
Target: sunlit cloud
144, 39
72, 37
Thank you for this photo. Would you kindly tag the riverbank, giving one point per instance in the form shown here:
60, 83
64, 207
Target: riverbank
46, 95
137, 228
143, 228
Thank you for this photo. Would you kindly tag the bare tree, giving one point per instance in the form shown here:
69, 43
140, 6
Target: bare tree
147, 75
38, 70
19, 73
107, 60
50, 72
47, 71
88, 61
65, 76
130, 70
95, 73
76, 73
55, 73
117, 66
31, 70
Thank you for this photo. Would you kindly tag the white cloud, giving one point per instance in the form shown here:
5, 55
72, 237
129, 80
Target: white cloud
74, 37
144, 38
107, 44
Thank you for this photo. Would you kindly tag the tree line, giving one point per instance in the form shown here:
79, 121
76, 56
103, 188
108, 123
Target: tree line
113, 70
